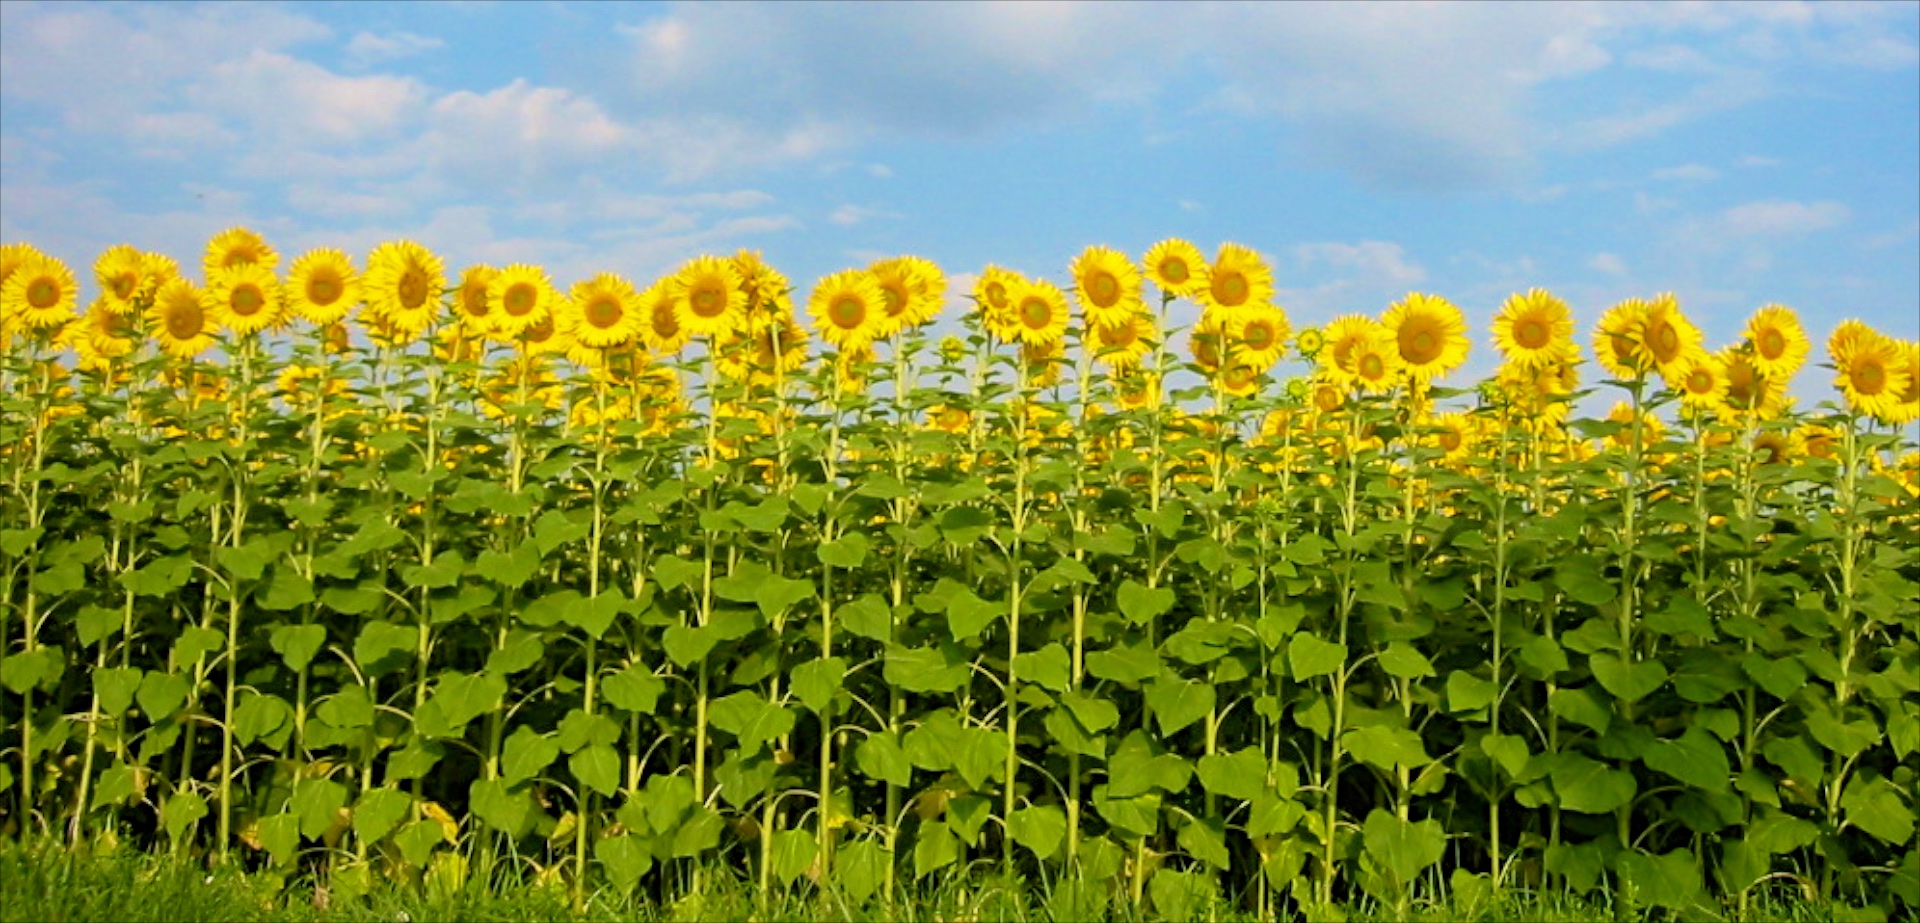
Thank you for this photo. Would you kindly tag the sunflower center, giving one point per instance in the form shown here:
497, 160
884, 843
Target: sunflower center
184, 321
1230, 289
473, 300
1773, 344
1036, 313
1174, 269
1419, 346
1530, 334
1700, 381
708, 301
323, 290
43, 293
123, 286
1259, 335
413, 289
896, 296
1450, 441
1869, 378
1372, 367
847, 312
1666, 341
996, 294
603, 312
1103, 289
519, 299
1121, 336
247, 300
1326, 399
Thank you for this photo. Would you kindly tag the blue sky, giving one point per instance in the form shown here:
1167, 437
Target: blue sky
1736, 154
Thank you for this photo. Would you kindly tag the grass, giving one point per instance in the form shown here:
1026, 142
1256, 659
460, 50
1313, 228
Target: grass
47, 883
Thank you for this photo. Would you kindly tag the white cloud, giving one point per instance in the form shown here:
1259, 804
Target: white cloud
1756, 160
305, 105
850, 215
1376, 260
1609, 263
366, 49
1782, 218
1691, 173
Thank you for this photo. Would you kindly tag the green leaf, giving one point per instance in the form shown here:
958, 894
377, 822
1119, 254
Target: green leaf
159, 695
672, 572
297, 645
246, 562
1124, 663
1582, 706
968, 614
1403, 849
1306, 550
180, 812
1780, 678
594, 616
1695, 757
775, 594
116, 686
868, 617
1467, 692
554, 529
511, 569
1509, 750
520, 651
497, 807
280, 834
289, 589
1580, 578
1094, 714
926, 669
1544, 656
1308, 656
379, 811
348, 709
384, 647
881, 757
1629, 682
1039, 828
259, 716
1590, 787
195, 642
1137, 816
1400, 659
635, 689
528, 753
1177, 703
817, 681
845, 552
318, 802
597, 767
625, 858
793, 853
1206, 839
686, 645
936, 847
417, 840
579, 729
860, 869
38, 668
1241, 775
1874, 805
750, 718
1671, 880
1049, 667
1387, 748
1142, 604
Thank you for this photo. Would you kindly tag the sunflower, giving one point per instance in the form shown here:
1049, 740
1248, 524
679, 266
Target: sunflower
1206, 341
1259, 337
1177, 267
1123, 345
1344, 336
1651, 429
1907, 408
1042, 361
1239, 379
245, 298
1703, 386
13, 256
1430, 334
603, 312
914, 289
1750, 392
1107, 285
994, 293
40, 294
402, 287
1618, 341
1040, 307
550, 337
847, 307
852, 362
519, 299
1533, 327
768, 291
1668, 338
1820, 440
1778, 342
1238, 279
156, 270
470, 299
707, 300
235, 247
1310, 342
779, 342
661, 329
121, 272
179, 321
1778, 446
323, 286
1377, 365
1454, 434
1870, 370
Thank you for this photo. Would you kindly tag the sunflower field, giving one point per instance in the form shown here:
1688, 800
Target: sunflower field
366, 570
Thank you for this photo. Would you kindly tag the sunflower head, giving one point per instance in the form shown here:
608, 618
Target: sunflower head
1236, 280
470, 302
1310, 342
1619, 342
323, 286
994, 292
235, 247
403, 287
707, 300
847, 308
1429, 333
1040, 313
1107, 285
1377, 365
1778, 342
604, 312
179, 320
245, 298
40, 295
1871, 371
1125, 344
1177, 267
1533, 327
768, 292
1702, 384
1259, 336
1344, 337
660, 327
913, 288
122, 274
520, 298
1750, 393
1668, 339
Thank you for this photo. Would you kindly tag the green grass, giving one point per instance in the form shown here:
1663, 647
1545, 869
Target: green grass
51, 884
